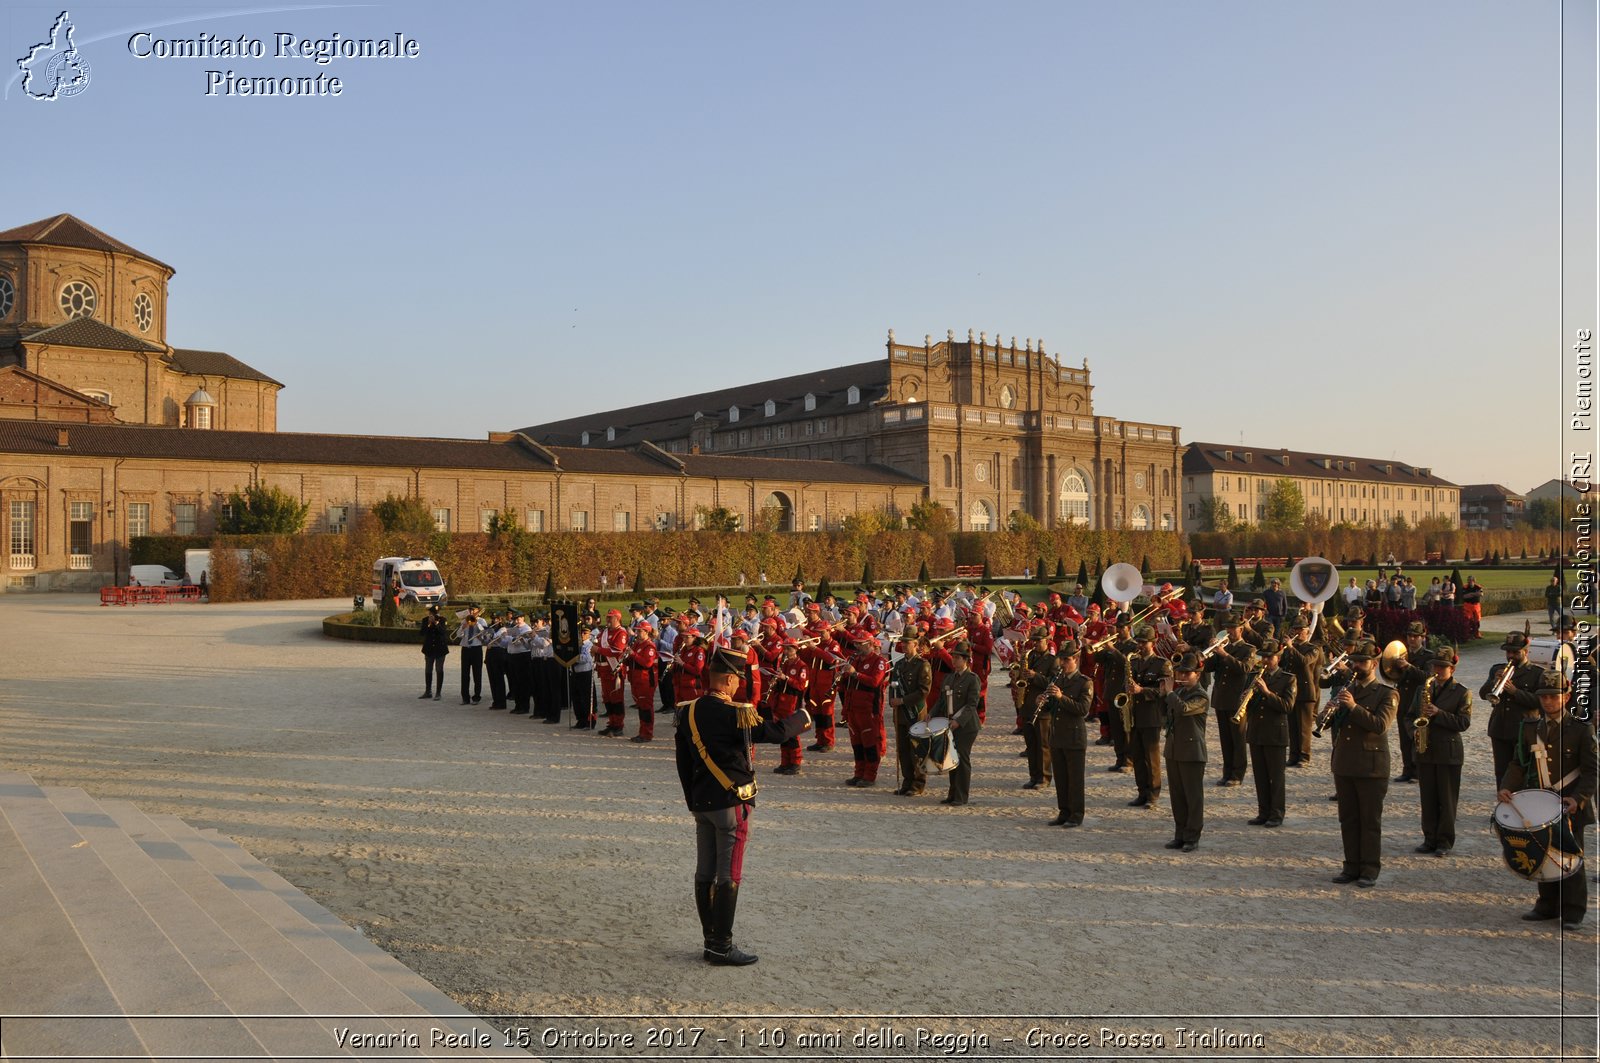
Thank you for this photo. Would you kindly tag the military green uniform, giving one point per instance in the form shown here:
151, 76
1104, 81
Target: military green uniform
1304, 661
1113, 664
1035, 721
961, 696
1069, 744
1518, 703
1267, 731
1149, 715
914, 675
1230, 667
1439, 764
1412, 675
1570, 759
1360, 762
1185, 711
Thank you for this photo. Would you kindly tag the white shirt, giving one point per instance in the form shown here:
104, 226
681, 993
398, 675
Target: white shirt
518, 643
472, 633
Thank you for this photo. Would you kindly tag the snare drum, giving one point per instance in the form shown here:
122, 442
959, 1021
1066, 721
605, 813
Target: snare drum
1550, 653
1543, 850
930, 743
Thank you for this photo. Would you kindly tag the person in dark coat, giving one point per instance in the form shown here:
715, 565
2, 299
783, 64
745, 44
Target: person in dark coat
1447, 706
435, 648
714, 739
1360, 759
1186, 710
1556, 752
1068, 698
1272, 699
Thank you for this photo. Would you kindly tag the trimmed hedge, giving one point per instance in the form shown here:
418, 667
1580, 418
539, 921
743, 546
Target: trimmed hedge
1372, 544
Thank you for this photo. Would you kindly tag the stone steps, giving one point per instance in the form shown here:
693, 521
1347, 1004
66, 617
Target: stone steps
163, 941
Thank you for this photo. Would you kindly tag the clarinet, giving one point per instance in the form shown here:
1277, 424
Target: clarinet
1326, 716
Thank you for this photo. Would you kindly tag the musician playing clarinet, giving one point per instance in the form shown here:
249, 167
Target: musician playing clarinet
1365, 710
1556, 752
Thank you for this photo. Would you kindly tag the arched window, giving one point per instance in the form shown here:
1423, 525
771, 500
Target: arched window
811, 401
1166, 522
733, 414
771, 408
1141, 518
1166, 482
1074, 501
981, 516
949, 472
853, 395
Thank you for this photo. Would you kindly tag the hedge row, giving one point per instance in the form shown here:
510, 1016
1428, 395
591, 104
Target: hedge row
338, 565
1373, 543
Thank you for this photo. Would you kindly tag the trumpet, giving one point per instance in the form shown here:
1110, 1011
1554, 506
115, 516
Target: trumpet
1333, 665
1500, 687
1156, 603
1422, 723
952, 633
1217, 643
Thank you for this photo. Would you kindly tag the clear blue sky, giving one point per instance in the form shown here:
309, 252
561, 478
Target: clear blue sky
1323, 225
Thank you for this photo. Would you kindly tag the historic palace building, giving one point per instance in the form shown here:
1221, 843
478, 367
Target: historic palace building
1343, 490
107, 432
989, 427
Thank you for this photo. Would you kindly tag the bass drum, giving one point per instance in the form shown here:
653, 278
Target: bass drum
931, 743
1550, 653
1535, 837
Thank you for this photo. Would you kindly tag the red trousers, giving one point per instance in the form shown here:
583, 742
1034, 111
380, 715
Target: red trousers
868, 739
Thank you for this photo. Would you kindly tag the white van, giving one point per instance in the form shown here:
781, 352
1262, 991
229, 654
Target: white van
418, 577
153, 576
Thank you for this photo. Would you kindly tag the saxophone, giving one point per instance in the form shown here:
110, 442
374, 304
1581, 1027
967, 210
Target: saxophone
1421, 723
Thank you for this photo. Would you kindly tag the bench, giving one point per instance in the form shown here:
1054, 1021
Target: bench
966, 572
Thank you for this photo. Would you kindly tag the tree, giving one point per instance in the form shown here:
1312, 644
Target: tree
1099, 595
922, 574
930, 516
1144, 567
1258, 580
261, 509
824, 589
1214, 516
1061, 570
1233, 575
799, 575
1550, 513
638, 584
404, 515
1038, 572
717, 518
986, 576
867, 579
1399, 523
550, 585
1083, 573
1021, 521
1286, 506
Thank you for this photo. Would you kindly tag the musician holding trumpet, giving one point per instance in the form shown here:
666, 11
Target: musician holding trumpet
471, 635
1556, 752
1363, 711
1068, 697
1267, 704
1510, 690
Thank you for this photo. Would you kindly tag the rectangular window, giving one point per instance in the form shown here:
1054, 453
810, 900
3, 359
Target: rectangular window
1261, 513
183, 517
1191, 511
1244, 511
534, 520
202, 417
80, 533
766, 434
486, 519
138, 519
783, 431
621, 520
811, 428
580, 520
22, 529
441, 520
338, 518
1427, 495
744, 436
816, 522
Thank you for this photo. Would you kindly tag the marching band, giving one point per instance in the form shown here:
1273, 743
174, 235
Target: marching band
1143, 681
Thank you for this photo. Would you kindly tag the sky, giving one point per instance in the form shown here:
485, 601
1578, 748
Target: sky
1365, 228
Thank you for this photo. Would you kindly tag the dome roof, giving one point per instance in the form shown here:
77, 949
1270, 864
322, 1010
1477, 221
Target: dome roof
201, 397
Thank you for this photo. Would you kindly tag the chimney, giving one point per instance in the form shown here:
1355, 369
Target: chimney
61, 438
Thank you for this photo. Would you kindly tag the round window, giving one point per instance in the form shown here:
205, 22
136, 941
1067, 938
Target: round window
78, 299
144, 311
1008, 397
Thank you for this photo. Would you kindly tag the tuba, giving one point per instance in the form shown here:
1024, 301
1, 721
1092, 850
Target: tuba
1314, 580
1122, 582
1393, 661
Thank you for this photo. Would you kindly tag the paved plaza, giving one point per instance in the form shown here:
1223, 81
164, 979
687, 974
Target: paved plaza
527, 869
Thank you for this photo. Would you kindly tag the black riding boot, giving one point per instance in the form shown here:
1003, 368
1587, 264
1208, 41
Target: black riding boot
703, 892
721, 950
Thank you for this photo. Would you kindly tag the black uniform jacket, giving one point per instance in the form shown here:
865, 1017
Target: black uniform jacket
1069, 711
717, 723
1454, 703
1186, 725
1361, 742
1268, 721
1570, 748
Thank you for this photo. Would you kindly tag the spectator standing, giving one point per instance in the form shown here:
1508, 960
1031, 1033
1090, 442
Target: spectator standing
1431, 596
1472, 605
1552, 601
435, 647
1408, 594
1392, 595
1447, 592
1277, 605
1352, 593
1222, 601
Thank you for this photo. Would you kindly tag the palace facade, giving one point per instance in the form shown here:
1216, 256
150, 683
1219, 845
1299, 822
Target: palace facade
990, 427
